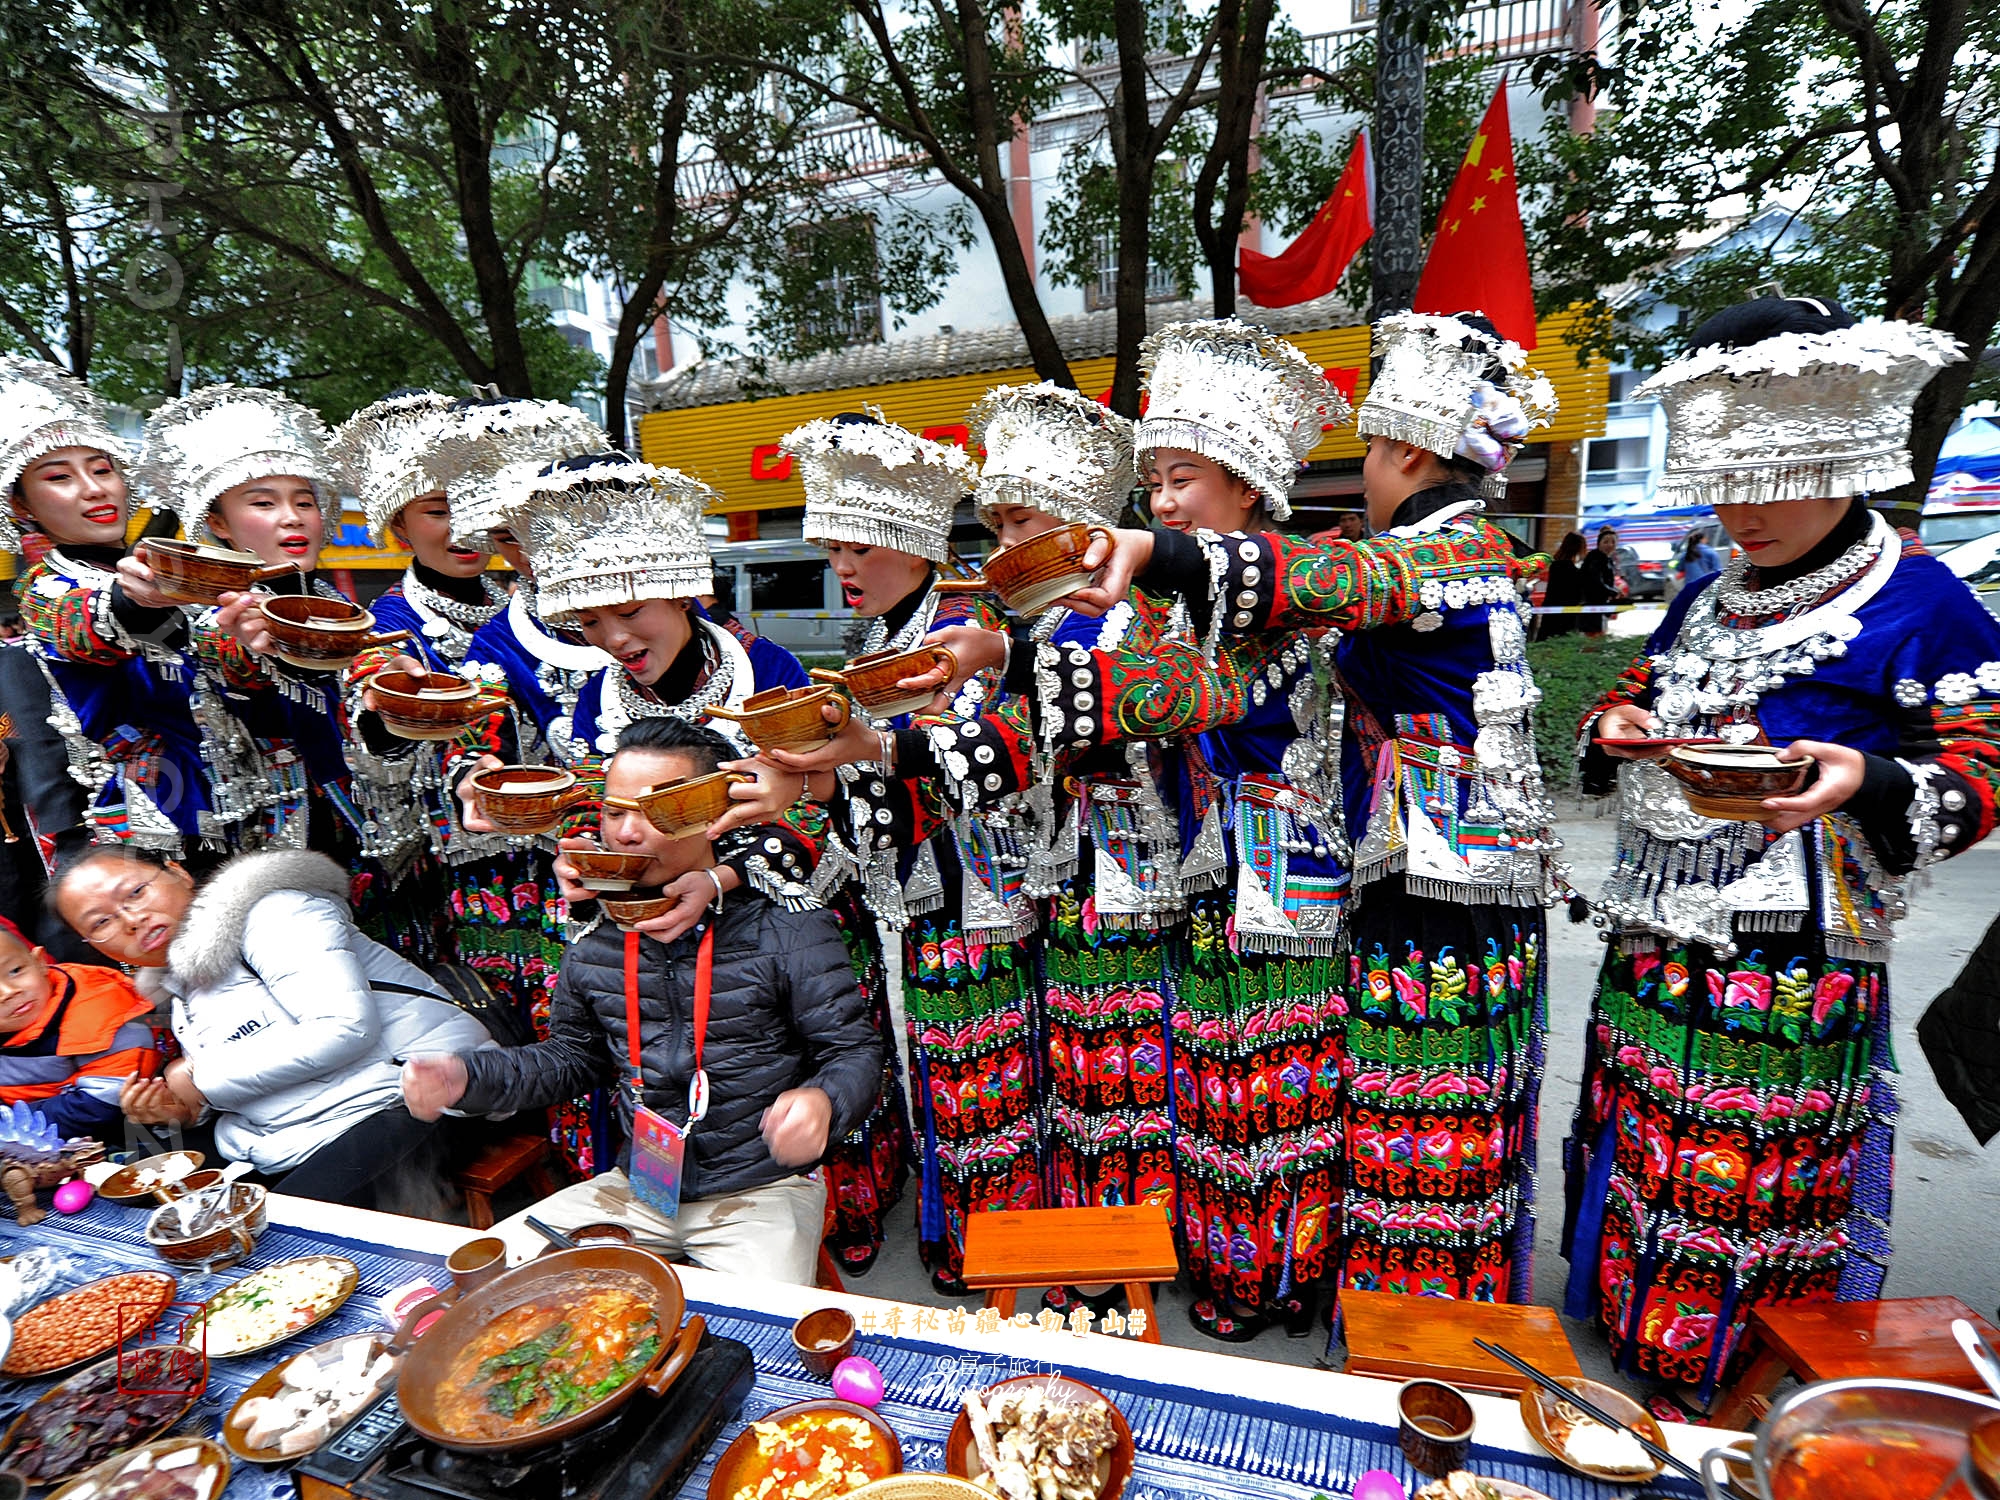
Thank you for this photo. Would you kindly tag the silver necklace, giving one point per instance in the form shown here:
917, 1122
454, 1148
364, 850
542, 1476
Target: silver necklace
914, 629
1806, 589
717, 679
449, 623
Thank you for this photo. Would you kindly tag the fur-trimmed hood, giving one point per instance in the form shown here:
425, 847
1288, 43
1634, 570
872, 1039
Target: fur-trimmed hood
209, 945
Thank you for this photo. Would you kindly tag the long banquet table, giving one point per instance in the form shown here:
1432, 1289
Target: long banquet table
1205, 1424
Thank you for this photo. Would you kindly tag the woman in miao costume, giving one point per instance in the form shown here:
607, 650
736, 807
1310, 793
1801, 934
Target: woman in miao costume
1732, 1148
485, 457
880, 500
1102, 827
1257, 1004
618, 556
119, 701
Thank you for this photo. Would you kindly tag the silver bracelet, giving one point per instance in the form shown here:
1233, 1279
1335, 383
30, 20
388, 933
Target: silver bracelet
716, 881
887, 758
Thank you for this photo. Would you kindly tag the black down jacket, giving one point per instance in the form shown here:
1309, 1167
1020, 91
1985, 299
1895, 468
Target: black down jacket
784, 1013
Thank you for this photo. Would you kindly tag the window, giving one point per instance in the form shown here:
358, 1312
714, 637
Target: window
837, 259
1365, 10
1624, 382
1610, 454
725, 586
787, 585
1103, 292
554, 293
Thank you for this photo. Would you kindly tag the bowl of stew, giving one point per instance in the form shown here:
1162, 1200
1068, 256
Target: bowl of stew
806, 1450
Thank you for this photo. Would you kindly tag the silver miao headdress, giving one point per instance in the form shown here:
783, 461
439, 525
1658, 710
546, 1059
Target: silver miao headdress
1430, 389
1797, 416
878, 485
42, 409
483, 441
1240, 396
1054, 450
380, 454
606, 529
221, 436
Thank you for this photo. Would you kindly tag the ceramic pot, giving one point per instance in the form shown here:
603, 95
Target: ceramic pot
196, 573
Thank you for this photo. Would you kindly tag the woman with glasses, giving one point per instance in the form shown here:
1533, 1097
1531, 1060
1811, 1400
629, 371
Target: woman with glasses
291, 1022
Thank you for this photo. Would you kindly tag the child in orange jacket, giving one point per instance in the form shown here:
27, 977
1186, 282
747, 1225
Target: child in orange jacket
70, 1035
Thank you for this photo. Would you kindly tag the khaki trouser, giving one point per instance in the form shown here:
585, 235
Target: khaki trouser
769, 1231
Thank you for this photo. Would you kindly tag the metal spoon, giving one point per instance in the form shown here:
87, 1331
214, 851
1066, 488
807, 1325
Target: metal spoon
1973, 1342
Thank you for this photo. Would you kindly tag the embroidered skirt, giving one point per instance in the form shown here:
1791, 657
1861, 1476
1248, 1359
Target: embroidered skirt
1732, 1146
1256, 1092
1444, 1062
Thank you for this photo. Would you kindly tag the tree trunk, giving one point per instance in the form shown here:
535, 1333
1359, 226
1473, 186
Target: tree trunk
1396, 255
1243, 38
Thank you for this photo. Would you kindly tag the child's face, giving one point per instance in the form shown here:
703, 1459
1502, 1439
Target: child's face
24, 983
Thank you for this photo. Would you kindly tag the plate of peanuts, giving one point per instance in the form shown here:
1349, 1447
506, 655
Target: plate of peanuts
88, 1321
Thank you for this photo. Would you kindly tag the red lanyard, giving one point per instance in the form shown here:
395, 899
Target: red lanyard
704, 965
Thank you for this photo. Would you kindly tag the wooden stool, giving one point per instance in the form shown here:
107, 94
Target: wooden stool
1906, 1338
1064, 1246
1409, 1338
498, 1163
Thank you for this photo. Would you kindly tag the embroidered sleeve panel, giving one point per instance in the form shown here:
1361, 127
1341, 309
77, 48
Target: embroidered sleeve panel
1634, 686
885, 813
226, 656
984, 760
1100, 697
777, 859
368, 663
73, 623
1273, 581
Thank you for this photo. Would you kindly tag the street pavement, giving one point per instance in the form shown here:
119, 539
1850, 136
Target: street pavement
1947, 1209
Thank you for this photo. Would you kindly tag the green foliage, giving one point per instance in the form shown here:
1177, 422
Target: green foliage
1573, 672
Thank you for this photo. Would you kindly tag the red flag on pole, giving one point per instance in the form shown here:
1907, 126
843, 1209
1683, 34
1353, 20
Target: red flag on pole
1312, 265
1479, 255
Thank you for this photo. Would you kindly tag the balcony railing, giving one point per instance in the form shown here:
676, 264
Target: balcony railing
1510, 29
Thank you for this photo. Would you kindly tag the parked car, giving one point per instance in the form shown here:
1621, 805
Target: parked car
1645, 565
785, 592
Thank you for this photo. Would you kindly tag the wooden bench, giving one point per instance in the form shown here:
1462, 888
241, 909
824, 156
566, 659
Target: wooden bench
1049, 1247
1408, 1338
499, 1162
1905, 1338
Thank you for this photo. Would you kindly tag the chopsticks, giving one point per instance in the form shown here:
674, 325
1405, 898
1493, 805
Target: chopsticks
1596, 1413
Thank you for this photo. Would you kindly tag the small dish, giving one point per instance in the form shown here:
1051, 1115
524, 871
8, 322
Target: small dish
1114, 1468
228, 1241
196, 573
1730, 782
786, 718
109, 1481
348, 1276
117, 1308
235, 1430
727, 1477
122, 1186
872, 680
920, 1487
682, 809
318, 634
524, 800
1550, 1421
1030, 576
636, 906
425, 705
607, 869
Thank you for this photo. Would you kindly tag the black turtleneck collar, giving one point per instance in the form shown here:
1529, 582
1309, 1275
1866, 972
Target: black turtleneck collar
93, 553
1429, 502
465, 590
1849, 529
683, 674
900, 613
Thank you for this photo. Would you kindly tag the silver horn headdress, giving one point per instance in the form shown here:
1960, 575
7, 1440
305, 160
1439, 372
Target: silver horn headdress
875, 484
206, 443
514, 437
605, 529
43, 408
1054, 450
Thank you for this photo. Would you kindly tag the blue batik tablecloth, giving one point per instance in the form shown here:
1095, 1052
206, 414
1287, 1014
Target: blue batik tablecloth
1191, 1445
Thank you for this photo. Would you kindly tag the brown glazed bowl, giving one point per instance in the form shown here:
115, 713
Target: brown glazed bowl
424, 705
1032, 575
1114, 1469
1732, 781
636, 906
231, 1239
681, 809
786, 718
607, 869
1434, 1426
524, 800
320, 634
823, 1339
197, 573
871, 680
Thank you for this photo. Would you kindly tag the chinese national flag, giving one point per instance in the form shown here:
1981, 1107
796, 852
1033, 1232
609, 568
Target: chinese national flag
1479, 256
1312, 264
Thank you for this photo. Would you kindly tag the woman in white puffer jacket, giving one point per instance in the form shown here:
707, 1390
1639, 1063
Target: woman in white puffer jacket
292, 1022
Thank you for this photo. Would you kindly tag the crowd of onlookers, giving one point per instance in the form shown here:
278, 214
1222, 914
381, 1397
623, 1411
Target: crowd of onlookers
1586, 575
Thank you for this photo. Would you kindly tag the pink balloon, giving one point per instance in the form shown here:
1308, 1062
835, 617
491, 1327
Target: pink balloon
856, 1379
74, 1197
1378, 1484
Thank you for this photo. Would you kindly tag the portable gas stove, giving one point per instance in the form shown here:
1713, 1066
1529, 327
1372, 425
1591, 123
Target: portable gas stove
647, 1449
